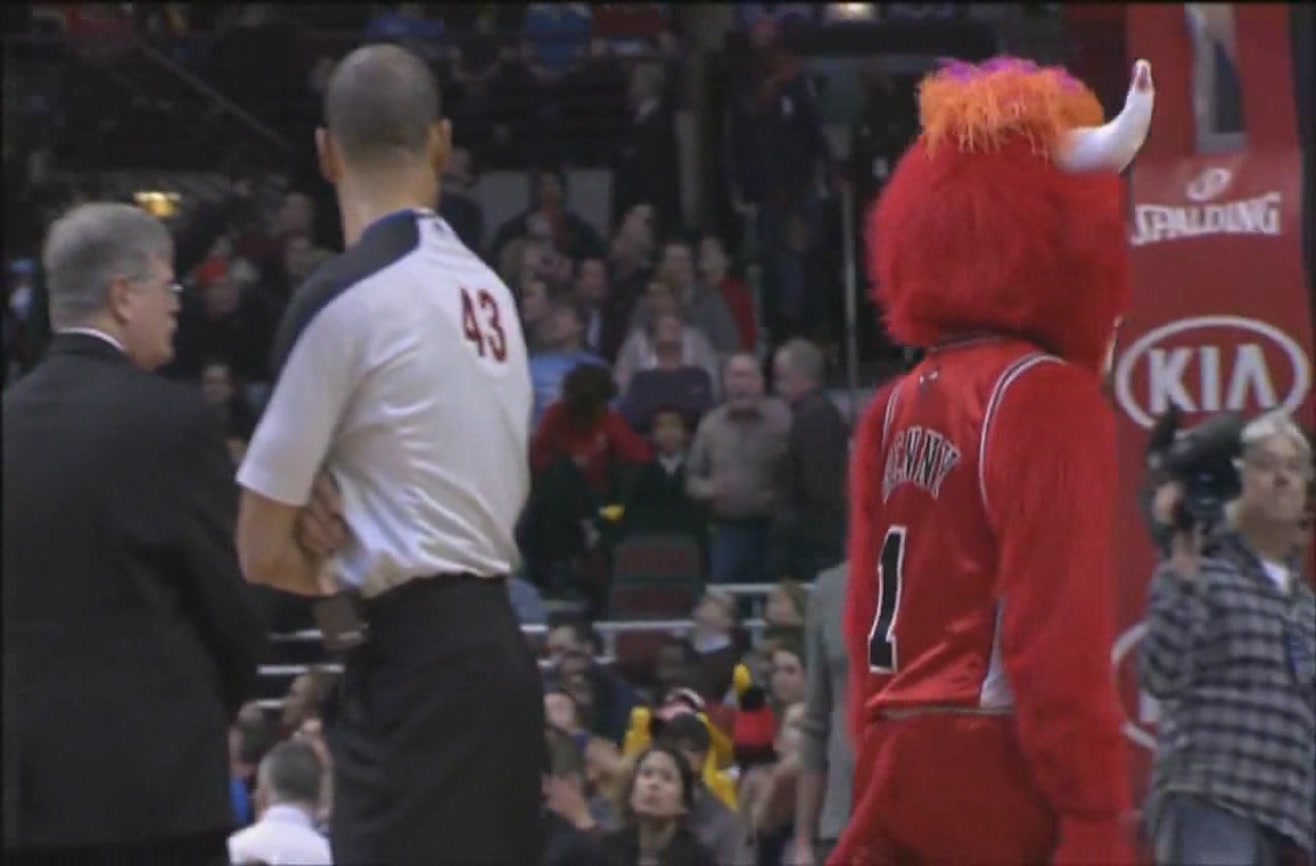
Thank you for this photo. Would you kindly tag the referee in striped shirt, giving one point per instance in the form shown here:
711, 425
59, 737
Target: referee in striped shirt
402, 376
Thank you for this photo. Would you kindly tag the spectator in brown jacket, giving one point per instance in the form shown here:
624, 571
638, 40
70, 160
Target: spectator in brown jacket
735, 467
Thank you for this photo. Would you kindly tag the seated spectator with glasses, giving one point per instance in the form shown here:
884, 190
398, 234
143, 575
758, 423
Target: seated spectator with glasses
1230, 652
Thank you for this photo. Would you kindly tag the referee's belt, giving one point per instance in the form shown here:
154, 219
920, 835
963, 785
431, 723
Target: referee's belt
344, 618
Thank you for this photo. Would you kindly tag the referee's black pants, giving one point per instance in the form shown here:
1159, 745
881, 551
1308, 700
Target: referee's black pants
437, 732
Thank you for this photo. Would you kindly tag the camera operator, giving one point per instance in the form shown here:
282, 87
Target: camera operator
1230, 652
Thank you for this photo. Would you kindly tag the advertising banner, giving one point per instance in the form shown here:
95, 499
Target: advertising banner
1221, 319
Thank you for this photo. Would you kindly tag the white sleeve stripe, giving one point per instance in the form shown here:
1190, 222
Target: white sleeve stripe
1007, 378
890, 413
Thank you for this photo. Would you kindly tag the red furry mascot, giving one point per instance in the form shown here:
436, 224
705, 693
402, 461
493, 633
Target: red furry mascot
981, 605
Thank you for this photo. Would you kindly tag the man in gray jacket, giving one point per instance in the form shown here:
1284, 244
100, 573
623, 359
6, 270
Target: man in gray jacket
822, 800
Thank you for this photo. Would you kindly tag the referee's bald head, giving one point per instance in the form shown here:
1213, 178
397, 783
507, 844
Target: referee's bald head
382, 110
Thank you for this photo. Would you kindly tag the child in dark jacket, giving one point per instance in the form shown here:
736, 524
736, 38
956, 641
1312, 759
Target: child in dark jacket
658, 502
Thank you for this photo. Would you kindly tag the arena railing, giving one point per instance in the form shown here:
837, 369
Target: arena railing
608, 631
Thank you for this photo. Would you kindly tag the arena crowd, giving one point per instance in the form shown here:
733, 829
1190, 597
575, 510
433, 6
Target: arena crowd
683, 544
671, 481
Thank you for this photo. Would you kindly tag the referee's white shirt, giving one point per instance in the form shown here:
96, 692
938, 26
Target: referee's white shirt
402, 369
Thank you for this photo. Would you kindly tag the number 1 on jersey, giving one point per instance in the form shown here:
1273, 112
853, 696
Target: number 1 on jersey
882, 656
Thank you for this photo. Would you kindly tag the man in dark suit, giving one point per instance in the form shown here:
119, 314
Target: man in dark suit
646, 169
810, 531
130, 640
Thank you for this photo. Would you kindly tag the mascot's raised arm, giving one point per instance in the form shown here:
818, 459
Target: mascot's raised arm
981, 606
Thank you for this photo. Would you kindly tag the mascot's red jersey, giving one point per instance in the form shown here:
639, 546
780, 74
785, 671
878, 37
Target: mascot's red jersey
981, 605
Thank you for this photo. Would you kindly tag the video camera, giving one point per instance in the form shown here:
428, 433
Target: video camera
1200, 458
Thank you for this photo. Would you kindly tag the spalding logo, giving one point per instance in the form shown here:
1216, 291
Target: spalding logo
1211, 364
1208, 185
1140, 710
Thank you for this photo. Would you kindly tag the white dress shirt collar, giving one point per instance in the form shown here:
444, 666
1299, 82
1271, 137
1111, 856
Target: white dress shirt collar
284, 814
98, 334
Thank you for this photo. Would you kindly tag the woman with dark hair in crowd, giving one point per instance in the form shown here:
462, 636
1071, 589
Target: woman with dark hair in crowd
582, 427
655, 811
549, 218
224, 395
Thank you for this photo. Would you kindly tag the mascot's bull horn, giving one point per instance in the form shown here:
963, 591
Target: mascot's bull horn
1113, 146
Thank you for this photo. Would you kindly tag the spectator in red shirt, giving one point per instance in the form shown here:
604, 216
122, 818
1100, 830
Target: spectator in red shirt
582, 428
582, 456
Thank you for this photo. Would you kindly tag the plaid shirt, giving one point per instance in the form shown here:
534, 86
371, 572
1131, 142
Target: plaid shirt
1233, 661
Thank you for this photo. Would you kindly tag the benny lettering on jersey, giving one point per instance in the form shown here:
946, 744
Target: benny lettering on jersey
981, 605
918, 456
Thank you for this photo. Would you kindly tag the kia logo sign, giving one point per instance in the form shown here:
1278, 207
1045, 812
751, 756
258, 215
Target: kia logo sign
1141, 710
1211, 364
1208, 185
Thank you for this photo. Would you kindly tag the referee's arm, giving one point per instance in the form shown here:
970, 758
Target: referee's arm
288, 450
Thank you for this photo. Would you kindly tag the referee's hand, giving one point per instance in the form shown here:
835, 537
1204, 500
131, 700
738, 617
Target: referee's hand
320, 528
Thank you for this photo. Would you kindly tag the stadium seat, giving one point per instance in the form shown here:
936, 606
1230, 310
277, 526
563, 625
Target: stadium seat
655, 576
661, 599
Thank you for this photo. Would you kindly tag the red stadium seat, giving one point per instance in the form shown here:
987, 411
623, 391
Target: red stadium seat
655, 576
660, 600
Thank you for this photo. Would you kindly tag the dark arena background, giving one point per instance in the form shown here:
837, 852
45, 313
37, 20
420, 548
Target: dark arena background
631, 125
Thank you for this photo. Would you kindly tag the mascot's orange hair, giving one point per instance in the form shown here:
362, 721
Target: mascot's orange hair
979, 229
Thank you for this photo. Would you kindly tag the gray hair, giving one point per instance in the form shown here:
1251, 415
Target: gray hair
805, 358
92, 245
291, 773
741, 356
1269, 426
1259, 431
